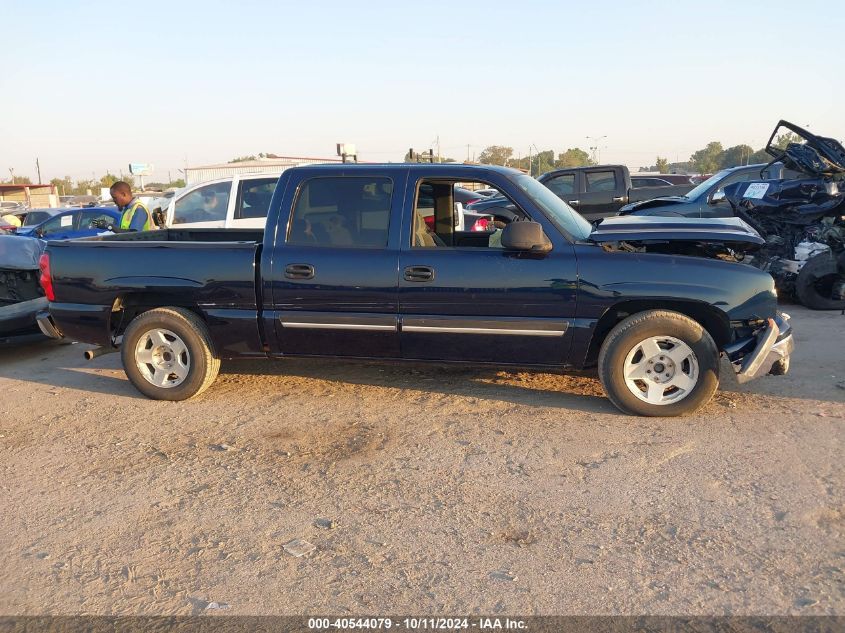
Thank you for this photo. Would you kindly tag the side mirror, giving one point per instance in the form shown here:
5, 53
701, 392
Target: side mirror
525, 236
717, 196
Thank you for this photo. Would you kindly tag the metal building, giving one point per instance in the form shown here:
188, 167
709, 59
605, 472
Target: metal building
262, 165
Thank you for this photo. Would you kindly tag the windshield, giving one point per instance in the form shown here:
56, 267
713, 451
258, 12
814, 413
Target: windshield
701, 189
564, 217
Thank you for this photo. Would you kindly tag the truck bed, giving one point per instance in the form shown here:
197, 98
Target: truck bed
211, 271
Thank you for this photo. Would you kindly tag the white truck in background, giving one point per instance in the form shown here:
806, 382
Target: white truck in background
236, 201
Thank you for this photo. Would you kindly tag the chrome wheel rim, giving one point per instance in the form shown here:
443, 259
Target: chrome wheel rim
162, 358
661, 370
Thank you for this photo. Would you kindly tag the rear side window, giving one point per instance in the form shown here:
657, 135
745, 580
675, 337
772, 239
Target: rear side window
342, 212
562, 185
254, 198
601, 181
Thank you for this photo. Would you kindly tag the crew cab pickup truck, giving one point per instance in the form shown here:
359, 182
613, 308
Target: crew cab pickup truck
347, 267
600, 191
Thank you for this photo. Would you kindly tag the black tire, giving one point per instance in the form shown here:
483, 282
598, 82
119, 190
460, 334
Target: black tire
627, 335
815, 281
201, 365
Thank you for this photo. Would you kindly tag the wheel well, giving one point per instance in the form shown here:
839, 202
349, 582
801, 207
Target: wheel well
715, 322
127, 307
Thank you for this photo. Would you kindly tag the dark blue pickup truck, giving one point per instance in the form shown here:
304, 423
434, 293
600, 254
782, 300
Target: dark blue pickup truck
348, 267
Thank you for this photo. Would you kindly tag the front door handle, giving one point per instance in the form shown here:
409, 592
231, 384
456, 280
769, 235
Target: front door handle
617, 198
574, 203
419, 273
299, 271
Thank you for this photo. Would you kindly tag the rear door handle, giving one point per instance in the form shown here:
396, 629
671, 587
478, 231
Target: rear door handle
299, 271
419, 273
617, 198
574, 203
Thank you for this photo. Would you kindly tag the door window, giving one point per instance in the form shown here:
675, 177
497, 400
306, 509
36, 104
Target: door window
204, 204
58, 224
254, 198
342, 212
601, 181
562, 185
88, 217
439, 222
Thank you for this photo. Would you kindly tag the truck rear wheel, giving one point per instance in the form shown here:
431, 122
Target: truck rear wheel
167, 354
659, 363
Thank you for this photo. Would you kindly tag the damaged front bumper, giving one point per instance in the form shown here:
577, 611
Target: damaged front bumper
767, 352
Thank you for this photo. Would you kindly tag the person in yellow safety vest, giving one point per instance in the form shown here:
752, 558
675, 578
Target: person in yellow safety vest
134, 216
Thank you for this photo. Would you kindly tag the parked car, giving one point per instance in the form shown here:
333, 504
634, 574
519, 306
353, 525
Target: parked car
37, 216
11, 206
645, 301
71, 223
21, 296
596, 192
239, 201
706, 200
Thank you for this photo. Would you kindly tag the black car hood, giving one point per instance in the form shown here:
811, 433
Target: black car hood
653, 202
656, 228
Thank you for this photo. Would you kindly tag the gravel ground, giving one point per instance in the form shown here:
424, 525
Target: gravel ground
424, 490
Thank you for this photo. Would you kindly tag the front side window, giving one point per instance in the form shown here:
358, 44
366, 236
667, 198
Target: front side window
88, 218
562, 185
441, 221
349, 212
57, 224
601, 181
254, 199
204, 204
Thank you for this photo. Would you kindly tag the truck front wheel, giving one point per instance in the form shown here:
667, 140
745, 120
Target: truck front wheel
167, 354
659, 363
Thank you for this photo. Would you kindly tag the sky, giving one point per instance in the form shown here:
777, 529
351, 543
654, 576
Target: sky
90, 87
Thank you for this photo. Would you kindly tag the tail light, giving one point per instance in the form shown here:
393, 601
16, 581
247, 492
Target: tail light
482, 224
46, 278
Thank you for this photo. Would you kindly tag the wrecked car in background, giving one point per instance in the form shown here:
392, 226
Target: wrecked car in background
21, 296
802, 219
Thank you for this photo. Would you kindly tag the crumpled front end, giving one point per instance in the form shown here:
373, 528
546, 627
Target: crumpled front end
766, 351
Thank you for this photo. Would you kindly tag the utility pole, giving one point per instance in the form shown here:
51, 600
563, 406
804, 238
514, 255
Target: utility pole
467, 152
596, 155
38, 169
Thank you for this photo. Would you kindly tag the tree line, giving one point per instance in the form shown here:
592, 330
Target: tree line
709, 159
68, 187
537, 163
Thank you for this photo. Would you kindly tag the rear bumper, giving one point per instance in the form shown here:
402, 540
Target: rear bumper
47, 326
771, 354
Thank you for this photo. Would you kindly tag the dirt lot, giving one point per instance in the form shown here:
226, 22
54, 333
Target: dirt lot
449, 490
